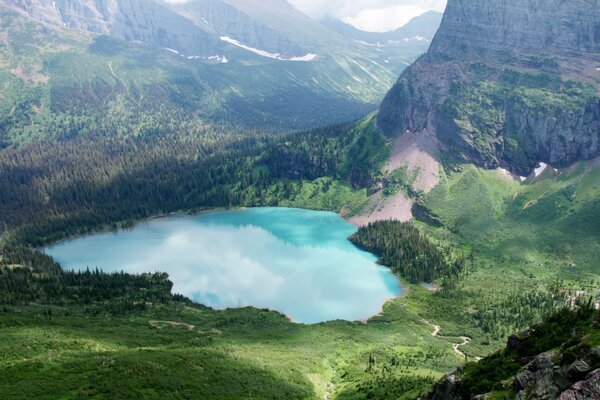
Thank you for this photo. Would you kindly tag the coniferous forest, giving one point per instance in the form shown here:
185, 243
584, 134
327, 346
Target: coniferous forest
50, 190
407, 251
113, 113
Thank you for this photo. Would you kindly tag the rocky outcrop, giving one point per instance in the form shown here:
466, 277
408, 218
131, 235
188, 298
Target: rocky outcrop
589, 388
510, 31
220, 18
508, 83
543, 378
193, 28
132, 20
567, 368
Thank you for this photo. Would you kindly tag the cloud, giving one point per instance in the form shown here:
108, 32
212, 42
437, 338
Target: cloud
369, 15
227, 266
372, 15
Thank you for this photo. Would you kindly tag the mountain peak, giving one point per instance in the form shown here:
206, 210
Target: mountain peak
515, 30
507, 83
423, 26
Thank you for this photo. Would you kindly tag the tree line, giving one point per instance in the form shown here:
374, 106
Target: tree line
52, 189
29, 276
407, 251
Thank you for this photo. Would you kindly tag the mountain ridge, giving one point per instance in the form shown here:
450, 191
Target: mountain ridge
422, 27
494, 94
222, 62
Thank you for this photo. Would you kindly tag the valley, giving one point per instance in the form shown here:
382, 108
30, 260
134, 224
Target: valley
476, 184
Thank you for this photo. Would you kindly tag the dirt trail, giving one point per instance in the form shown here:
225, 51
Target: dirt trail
455, 346
160, 324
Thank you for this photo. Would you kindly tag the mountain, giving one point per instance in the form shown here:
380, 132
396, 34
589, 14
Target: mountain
247, 64
421, 29
556, 359
507, 84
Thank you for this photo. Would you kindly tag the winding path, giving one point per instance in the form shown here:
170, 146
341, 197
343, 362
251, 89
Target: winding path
455, 346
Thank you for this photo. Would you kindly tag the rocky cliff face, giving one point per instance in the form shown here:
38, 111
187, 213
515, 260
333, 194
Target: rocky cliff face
558, 359
508, 83
511, 30
193, 28
132, 20
220, 18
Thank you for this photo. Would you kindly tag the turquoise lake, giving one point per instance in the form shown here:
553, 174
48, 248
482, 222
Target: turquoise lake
298, 262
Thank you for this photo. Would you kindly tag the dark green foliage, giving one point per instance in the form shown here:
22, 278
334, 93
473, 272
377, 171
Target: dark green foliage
406, 250
28, 276
520, 308
566, 328
147, 374
387, 386
46, 194
352, 152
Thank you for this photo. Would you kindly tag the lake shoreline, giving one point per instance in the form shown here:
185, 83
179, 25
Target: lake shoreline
105, 228
108, 229
296, 227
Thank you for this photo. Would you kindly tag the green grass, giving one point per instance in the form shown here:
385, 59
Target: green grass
327, 194
76, 78
514, 275
548, 222
232, 354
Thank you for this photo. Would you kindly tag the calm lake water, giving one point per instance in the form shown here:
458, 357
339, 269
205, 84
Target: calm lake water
298, 262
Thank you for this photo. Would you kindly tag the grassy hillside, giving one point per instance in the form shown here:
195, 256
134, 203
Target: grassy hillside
525, 249
548, 222
59, 83
84, 336
101, 350
552, 357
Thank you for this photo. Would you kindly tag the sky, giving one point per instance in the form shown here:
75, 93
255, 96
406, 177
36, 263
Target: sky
369, 15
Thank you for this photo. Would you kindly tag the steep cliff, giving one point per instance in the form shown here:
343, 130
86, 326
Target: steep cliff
222, 19
557, 359
132, 20
508, 83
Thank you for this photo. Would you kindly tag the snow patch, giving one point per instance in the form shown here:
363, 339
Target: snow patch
417, 38
263, 53
308, 57
217, 58
365, 43
540, 170
205, 21
366, 71
523, 178
376, 63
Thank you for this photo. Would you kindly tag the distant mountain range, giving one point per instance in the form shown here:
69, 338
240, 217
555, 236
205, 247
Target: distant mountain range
250, 63
418, 29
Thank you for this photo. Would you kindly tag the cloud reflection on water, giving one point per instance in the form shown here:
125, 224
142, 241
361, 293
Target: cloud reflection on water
294, 261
